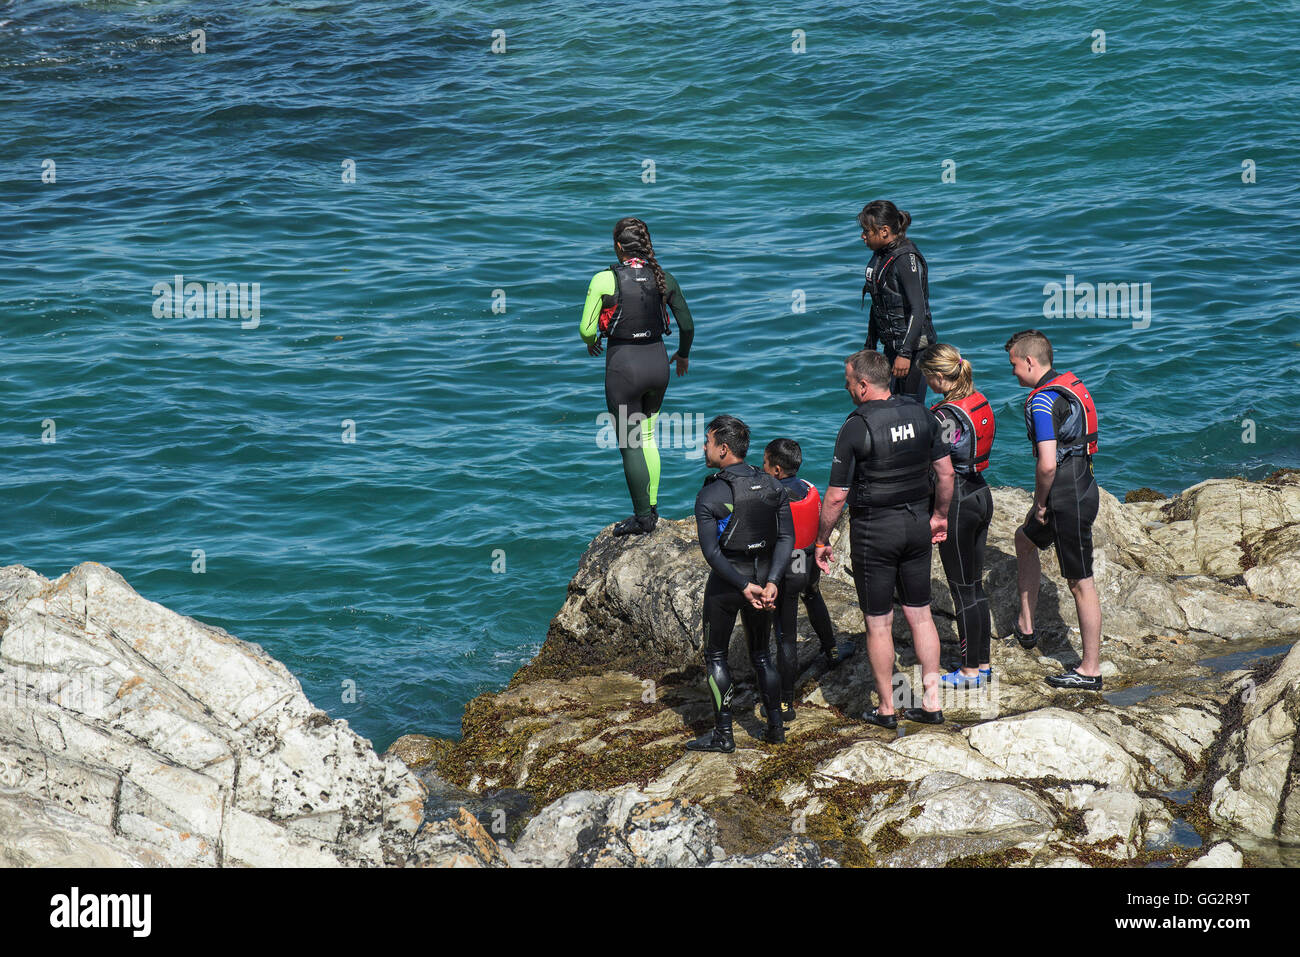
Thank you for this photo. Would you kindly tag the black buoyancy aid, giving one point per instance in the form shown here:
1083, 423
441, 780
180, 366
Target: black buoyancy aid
976, 418
888, 309
1078, 433
897, 472
640, 313
751, 531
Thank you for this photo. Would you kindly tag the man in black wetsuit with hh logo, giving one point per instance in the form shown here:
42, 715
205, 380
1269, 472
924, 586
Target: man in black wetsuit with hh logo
884, 454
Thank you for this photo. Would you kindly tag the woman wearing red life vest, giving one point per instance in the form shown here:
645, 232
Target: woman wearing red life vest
967, 425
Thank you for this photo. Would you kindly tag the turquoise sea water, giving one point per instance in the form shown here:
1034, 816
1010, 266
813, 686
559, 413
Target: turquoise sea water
475, 431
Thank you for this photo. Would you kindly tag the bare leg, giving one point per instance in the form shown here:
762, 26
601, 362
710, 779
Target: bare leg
880, 651
926, 638
1029, 575
1088, 606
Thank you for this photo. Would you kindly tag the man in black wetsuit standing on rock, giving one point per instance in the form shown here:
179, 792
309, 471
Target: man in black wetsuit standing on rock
884, 454
746, 533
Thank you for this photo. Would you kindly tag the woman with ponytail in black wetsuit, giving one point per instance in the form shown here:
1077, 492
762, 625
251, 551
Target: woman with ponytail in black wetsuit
966, 426
627, 305
897, 279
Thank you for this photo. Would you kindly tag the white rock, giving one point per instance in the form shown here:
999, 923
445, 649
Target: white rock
1222, 854
135, 719
1054, 742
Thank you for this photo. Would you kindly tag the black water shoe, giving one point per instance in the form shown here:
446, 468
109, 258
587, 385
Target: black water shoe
637, 524
921, 716
836, 655
874, 716
1073, 680
717, 740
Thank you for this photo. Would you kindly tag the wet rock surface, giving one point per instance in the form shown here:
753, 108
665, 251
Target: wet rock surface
1021, 774
133, 736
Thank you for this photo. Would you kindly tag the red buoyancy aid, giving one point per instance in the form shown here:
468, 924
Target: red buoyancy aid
807, 513
606, 316
975, 414
1069, 385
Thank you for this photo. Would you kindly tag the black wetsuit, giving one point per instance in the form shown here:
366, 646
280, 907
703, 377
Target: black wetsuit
897, 279
883, 454
962, 551
802, 580
733, 567
1074, 498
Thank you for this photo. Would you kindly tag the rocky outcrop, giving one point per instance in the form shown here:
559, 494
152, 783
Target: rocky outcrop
1257, 777
133, 736
1023, 775
130, 734
1163, 572
1221, 855
1220, 526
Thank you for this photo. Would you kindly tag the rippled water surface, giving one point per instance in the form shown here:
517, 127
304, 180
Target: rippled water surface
475, 431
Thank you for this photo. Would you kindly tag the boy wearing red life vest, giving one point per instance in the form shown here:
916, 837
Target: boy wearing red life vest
781, 460
1061, 420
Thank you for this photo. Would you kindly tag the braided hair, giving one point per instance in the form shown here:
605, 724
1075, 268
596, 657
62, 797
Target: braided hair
634, 236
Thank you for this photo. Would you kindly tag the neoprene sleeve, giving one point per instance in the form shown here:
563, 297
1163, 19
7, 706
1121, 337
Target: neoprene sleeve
909, 279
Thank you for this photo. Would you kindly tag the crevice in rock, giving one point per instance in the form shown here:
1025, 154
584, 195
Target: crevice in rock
1292, 776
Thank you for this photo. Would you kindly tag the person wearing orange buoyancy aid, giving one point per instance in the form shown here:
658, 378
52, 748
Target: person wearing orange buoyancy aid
781, 460
1061, 420
967, 426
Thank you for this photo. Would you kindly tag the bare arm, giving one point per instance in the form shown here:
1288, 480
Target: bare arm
942, 498
1045, 473
832, 506
943, 490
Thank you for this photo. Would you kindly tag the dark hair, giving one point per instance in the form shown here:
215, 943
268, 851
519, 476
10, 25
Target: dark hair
1031, 342
785, 454
871, 365
634, 236
730, 431
881, 212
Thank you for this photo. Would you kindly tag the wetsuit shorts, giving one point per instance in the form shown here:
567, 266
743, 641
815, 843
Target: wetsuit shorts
636, 377
890, 549
1071, 509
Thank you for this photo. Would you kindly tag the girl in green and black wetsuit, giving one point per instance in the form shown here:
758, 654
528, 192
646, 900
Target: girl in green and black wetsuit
626, 305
